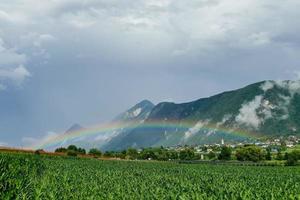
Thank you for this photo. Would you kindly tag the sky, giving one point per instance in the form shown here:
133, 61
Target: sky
85, 61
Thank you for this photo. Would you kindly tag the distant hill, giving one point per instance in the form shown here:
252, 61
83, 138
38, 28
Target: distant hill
137, 114
77, 141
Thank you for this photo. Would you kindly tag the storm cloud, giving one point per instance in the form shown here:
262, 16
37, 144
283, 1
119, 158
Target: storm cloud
67, 61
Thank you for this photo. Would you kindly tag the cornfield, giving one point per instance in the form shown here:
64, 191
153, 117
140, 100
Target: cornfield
24, 176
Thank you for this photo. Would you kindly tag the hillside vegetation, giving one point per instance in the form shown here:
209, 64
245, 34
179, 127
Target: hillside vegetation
264, 109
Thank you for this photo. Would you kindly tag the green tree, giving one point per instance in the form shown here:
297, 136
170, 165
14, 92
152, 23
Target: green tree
95, 152
61, 150
72, 153
283, 145
172, 155
110, 154
147, 153
131, 154
72, 148
225, 153
186, 154
279, 155
286, 156
250, 153
268, 155
81, 151
293, 157
211, 155
123, 154
39, 151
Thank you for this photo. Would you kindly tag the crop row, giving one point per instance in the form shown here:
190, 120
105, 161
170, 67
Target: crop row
41, 177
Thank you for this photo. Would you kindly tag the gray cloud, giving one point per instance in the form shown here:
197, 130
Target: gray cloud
98, 58
11, 66
17, 74
179, 30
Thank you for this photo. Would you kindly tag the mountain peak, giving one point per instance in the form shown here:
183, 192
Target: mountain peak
140, 111
74, 127
145, 102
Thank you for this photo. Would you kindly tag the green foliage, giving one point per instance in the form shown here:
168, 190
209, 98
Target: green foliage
131, 154
95, 152
225, 153
279, 155
81, 151
268, 155
148, 153
19, 175
121, 155
39, 151
108, 154
72, 153
186, 154
172, 155
292, 158
250, 153
42, 177
158, 154
61, 150
71, 150
211, 155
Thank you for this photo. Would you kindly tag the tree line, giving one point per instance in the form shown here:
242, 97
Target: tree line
246, 153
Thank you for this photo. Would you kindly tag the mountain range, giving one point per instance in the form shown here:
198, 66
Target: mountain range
263, 109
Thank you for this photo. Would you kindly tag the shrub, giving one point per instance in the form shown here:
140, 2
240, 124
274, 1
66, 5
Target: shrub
225, 153
61, 150
211, 155
292, 158
250, 153
72, 148
186, 154
39, 151
268, 155
95, 152
81, 151
72, 153
279, 156
131, 154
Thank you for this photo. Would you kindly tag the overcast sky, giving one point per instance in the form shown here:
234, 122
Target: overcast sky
85, 61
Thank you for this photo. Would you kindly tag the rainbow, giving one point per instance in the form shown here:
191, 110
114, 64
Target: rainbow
110, 127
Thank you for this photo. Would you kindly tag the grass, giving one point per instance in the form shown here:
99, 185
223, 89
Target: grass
24, 176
